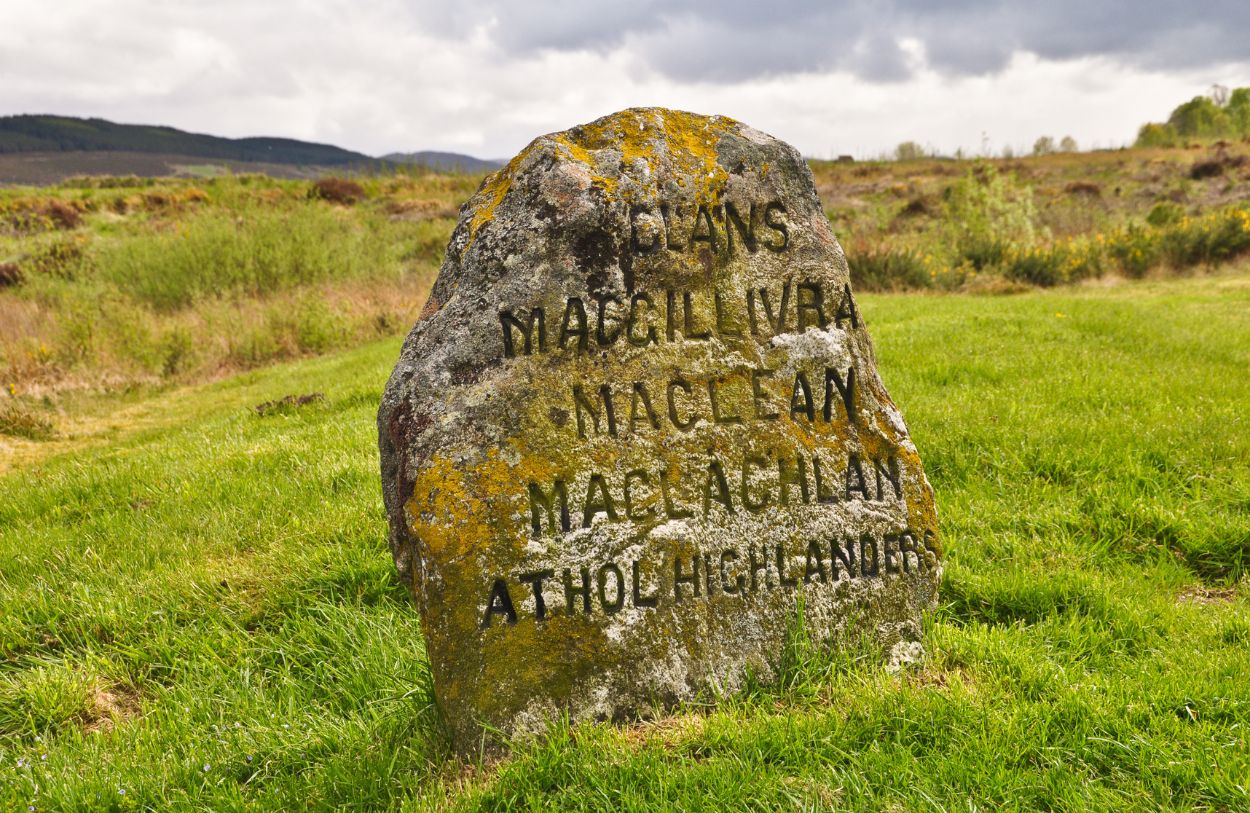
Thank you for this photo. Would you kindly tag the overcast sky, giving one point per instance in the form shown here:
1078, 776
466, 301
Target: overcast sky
484, 77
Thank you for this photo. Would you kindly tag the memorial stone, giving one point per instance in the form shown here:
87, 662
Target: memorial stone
638, 426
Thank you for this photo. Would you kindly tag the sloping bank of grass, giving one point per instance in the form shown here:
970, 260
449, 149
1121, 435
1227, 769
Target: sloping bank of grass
202, 614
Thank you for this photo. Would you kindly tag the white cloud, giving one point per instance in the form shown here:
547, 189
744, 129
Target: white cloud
484, 79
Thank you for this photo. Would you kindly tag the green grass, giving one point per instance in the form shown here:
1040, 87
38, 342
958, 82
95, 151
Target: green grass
1042, 220
113, 283
219, 253
126, 282
200, 610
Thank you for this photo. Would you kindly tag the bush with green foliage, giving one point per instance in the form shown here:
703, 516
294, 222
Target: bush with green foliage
988, 214
909, 151
1201, 118
885, 269
1154, 134
1165, 213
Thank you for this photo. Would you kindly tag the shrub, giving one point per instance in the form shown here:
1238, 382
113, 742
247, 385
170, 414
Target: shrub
62, 215
10, 275
337, 190
176, 351
1206, 169
1216, 237
1088, 188
883, 269
1069, 261
64, 257
1164, 213
18, 421
107, 182
1157, 135
1135, 250
989, 214
1036, 266
34, 216
916, 207
909, 151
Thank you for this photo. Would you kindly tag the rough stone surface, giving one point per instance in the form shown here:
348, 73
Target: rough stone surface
639, 418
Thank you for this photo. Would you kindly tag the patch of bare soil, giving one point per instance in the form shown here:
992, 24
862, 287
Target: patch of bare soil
111, 706
1204, 595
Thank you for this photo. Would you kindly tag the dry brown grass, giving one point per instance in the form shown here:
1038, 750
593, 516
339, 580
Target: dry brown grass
337, 190
418, 209
10, 275
1205, 596
110, 707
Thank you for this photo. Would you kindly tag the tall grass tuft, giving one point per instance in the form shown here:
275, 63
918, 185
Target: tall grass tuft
268, 250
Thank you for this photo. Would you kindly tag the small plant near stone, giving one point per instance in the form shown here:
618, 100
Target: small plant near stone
288, 404
19, 420
10, 275
885, 269
337, 190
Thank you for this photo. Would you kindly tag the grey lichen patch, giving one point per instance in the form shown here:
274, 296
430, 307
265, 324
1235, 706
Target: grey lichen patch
640, 419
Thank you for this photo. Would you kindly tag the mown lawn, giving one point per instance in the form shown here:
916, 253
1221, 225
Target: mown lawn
198, 608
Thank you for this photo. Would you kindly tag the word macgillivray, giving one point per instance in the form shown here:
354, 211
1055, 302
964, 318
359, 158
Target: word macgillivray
601, 320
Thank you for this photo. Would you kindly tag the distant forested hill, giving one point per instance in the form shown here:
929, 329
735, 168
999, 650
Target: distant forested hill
443, 161
26, 133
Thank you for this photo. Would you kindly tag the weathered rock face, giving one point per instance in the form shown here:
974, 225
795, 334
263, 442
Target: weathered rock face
639, 418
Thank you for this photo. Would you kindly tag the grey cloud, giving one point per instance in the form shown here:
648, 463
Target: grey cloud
732, 40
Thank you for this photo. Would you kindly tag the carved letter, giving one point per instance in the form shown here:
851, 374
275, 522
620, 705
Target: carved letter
499, 603
525, 324
540, 502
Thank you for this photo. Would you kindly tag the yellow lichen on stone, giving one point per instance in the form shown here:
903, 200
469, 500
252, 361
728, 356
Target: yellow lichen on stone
491, 193
444, 509
687, 142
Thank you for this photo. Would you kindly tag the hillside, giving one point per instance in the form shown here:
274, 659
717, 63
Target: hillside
27, 133
50, 168
443, 161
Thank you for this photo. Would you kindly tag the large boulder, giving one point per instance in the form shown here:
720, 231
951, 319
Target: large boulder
638, 432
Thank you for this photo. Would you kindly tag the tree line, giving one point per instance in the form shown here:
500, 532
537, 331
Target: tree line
1219, 114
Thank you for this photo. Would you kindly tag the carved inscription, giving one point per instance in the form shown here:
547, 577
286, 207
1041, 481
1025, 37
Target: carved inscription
679, 403
720, 227
729, 573
597, 321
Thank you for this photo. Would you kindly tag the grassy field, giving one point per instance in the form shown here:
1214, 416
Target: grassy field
1043, 220
198, 608
114, 284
